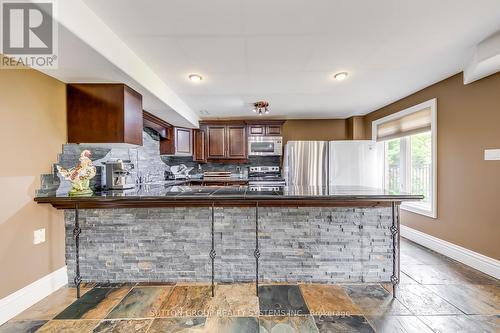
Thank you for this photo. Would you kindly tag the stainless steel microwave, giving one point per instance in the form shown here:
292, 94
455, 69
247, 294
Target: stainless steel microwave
265, 145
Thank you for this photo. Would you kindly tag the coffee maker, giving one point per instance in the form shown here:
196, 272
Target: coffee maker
118, 175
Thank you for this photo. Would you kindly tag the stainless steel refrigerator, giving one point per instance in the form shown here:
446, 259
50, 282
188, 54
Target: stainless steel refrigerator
333, 163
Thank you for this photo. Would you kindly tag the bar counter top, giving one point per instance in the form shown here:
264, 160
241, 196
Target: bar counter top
168, 194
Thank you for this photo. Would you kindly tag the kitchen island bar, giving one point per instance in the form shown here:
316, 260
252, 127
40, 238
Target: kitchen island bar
171, 233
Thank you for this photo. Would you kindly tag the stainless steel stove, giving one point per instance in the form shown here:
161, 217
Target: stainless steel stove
265, 178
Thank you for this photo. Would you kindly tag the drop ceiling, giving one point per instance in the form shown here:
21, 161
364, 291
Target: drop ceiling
286, 51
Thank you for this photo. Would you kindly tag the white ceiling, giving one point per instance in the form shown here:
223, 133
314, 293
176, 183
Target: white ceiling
89, 51
285, 51
79, 63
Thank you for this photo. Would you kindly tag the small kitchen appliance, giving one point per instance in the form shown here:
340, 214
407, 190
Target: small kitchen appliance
118, 174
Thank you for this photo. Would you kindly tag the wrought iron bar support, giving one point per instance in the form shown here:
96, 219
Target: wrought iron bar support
212, 250
395, 227
398, 220
256, 252
76, 236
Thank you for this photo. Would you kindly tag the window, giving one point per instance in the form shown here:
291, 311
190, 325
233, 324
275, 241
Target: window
409, 140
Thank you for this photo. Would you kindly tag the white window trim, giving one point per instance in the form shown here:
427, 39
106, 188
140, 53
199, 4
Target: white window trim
415, 207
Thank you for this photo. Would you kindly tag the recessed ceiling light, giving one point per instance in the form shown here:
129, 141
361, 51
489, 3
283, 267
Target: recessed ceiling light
195, 77
341, 76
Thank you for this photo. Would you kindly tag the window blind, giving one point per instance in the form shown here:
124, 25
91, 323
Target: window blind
414, 123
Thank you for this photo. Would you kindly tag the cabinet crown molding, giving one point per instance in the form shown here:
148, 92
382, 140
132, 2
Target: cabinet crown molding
242, 122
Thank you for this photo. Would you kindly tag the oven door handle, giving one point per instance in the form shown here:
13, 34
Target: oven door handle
250, 183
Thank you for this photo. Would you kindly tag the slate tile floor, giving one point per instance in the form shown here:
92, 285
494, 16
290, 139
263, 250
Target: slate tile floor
436, 294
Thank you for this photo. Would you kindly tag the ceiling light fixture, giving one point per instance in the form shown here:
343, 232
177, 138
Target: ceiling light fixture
195, 77
341, 76
261, 107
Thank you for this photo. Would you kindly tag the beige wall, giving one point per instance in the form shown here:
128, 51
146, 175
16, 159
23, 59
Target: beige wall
355, 128
314, 129
32, 130
468, 186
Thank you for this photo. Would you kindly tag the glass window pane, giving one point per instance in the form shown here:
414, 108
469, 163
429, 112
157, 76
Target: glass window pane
409, 166
421, 165
393, 169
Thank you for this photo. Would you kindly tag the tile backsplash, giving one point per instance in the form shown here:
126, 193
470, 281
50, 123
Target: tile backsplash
147, 160
212, 166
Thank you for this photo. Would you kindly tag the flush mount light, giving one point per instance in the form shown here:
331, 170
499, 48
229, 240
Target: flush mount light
261, 107
340, 76
195, 77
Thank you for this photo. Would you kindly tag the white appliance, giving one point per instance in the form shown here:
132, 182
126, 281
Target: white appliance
334, 163
265, 145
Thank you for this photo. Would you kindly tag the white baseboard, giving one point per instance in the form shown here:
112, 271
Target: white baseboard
17, 302
470, 258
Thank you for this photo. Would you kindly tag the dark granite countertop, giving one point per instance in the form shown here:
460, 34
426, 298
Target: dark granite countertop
168, 194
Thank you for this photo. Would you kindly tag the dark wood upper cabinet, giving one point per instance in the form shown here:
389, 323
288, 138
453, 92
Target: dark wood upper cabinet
179, 144
236, 141
216, 141
264, 127
104, 113
167, 146
225, 140
256, 129
183, 141
199, 151
273, 130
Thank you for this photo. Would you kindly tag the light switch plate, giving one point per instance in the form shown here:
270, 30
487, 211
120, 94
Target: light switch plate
39, 236
492, 154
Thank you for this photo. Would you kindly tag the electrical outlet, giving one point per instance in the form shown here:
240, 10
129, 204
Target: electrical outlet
39, 236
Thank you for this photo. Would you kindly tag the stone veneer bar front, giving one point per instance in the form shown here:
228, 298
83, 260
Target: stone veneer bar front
179, 232
305, 244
